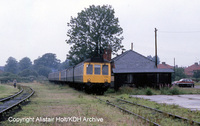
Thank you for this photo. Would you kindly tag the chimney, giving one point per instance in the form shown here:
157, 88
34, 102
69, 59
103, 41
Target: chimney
107, 53
163, 63
131, 46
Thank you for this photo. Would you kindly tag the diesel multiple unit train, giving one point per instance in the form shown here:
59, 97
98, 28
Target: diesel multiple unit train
92, 75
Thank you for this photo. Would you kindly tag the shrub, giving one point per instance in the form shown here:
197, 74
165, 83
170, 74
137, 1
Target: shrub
165, 91
148, 91
174, 91
125, 90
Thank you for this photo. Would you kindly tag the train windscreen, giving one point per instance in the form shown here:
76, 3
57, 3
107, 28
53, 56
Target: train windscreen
105, 69
89, 69
97, 69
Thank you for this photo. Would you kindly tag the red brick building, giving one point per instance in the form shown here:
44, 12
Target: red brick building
189, 71
107, 54
164, 66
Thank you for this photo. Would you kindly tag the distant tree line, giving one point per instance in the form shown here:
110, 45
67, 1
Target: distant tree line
41, 66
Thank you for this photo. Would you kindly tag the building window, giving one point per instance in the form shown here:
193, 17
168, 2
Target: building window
89, 69
97, 69
105, 69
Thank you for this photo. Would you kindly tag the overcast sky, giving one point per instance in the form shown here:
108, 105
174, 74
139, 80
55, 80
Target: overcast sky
31, 28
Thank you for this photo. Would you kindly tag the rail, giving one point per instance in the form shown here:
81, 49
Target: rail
129, 112
15, 102
12, 96
166, 113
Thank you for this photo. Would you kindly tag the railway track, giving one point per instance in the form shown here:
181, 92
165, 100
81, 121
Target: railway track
150, 115
12, 96
8, 105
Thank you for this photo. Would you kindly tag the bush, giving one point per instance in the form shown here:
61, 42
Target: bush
168, 91
125, 90
9, 77
174, 91
165, 91
148, 91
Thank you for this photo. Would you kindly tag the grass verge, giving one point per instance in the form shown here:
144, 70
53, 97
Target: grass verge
150, 91
61, 102
7, 90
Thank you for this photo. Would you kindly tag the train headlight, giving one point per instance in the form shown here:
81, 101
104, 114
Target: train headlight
89, 80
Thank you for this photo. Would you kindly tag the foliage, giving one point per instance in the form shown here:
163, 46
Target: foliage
196, 74
43, 71
27, 73
154, 58
25, 63
48, 60
7, 77
179, 73
149, 91
11, 66
94, 29
45, 64
175, 91
171, 91
64, 65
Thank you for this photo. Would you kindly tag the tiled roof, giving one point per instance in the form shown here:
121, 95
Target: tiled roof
164, 66
133, 62
190, 70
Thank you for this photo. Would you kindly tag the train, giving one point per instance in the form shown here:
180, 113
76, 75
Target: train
92, 75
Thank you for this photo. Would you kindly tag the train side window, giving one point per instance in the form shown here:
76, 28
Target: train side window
89, 69
105, 69
97, 69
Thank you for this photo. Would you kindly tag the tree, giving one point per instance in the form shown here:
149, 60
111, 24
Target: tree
44, 71
94, 29
27, 73
11, 66
64, 65
154, 59
25, 63
150, 57
179, 73
196, 74
48, 60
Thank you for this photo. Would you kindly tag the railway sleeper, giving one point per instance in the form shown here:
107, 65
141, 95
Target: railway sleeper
9, 112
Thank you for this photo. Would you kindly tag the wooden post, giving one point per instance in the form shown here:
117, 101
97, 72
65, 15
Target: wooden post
156, 47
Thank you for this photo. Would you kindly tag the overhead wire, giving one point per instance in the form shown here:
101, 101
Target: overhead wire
179, 31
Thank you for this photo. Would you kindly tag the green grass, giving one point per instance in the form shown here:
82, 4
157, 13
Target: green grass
151, 91
6, 90
152, 115
125, 92
54, 101
198, 84
174, 109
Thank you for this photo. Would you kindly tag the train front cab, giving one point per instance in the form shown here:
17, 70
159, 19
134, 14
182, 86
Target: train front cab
97, 76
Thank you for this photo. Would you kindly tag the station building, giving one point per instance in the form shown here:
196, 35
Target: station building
135, 69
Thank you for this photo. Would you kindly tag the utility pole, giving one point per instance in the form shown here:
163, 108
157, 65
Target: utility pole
156, 46
174, 68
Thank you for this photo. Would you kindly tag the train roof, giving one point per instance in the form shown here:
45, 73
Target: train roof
96, 59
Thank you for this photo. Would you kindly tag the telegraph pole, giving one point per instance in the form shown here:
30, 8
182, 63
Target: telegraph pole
174, 68
156, 46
